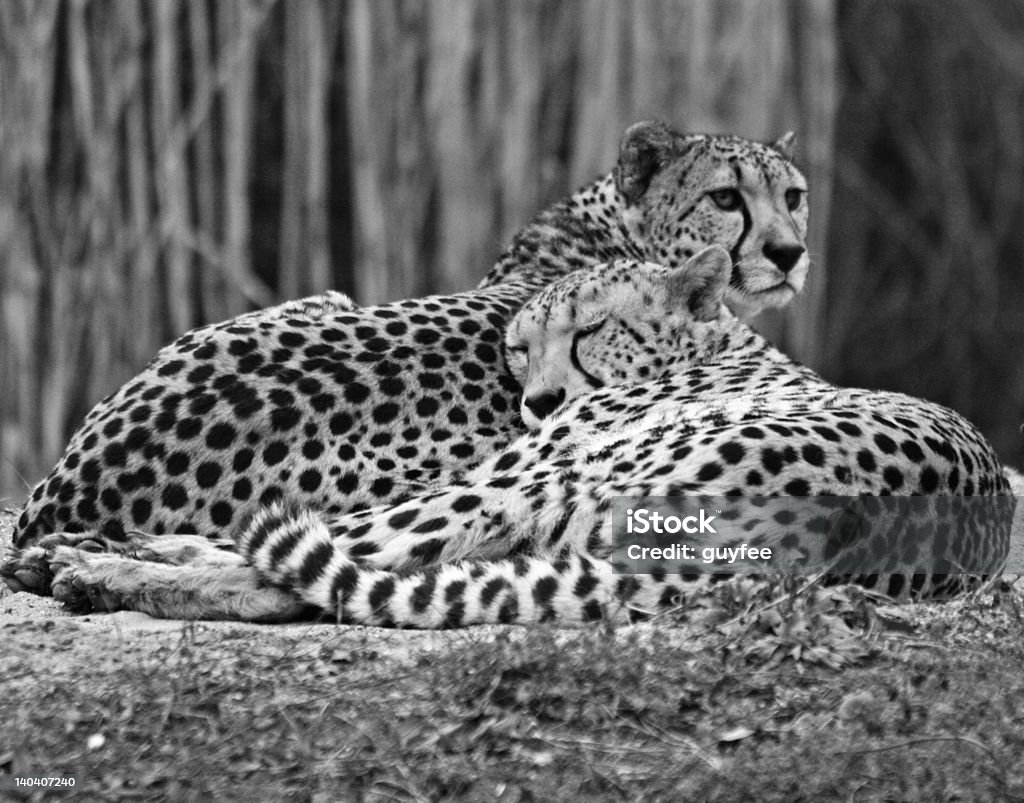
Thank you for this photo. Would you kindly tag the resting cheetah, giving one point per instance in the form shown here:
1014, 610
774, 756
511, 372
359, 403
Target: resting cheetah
526, 536
334, 408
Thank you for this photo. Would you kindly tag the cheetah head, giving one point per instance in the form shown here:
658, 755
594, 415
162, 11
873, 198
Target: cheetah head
683, 192
622, 322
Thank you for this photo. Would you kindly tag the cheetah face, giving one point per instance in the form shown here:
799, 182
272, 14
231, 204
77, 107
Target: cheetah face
618, 323
685, 192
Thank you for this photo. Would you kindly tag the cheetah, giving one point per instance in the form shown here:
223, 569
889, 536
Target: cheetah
663, 393
331, 407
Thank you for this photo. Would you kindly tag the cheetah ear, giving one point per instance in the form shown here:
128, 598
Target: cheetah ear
700, 284
786, 145
644, 149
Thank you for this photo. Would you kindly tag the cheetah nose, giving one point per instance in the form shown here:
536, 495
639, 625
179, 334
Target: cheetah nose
544, 404
784, 256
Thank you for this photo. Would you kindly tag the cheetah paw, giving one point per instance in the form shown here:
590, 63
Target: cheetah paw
29, 568
26, 571
77, 585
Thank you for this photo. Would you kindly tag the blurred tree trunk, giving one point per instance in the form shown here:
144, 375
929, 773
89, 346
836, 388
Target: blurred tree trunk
926, 293
467, 118
167, 164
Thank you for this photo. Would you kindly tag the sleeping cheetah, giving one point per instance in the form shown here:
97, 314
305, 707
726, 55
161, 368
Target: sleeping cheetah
664, 393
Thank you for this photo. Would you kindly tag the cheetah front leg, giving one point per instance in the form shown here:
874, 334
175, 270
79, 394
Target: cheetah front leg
173, 550
29, 568
90, 581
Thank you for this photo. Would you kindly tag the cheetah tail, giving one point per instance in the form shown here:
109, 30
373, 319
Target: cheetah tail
294, 550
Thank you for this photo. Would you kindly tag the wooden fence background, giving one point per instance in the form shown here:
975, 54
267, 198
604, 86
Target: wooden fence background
169, 163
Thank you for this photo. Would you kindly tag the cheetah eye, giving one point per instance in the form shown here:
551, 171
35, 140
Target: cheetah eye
592, 327
728, 199
520, 349
794, 198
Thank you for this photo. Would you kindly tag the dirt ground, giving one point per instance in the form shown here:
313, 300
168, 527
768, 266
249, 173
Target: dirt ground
139, 708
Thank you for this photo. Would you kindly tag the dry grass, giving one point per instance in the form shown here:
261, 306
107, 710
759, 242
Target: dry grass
752, 695
798, 707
